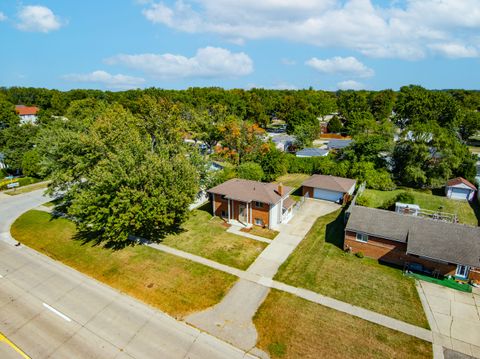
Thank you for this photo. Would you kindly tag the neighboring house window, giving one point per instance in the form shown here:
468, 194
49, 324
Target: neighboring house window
361, 237
259, 221
462, 271
224, 214
258, 204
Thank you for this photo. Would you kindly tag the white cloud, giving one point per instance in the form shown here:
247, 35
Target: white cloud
118, 81
208, 62
3, 17
403, 29
454, 50
37, 18
340, 65
350, 85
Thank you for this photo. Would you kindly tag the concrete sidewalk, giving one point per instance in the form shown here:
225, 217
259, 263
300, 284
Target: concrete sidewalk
454, 317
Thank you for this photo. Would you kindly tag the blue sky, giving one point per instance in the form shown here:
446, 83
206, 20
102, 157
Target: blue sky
326, 44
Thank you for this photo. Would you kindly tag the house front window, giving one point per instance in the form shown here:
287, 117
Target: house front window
258, 204
259, 221
224, 214
462, 271
361, 237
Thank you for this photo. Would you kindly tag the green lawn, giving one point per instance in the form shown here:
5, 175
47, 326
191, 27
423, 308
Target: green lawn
467, 213
174, 285
319, 264
206, 236
290, 327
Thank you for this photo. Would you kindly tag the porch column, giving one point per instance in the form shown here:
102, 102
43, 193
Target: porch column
213, 204
229, 210
247, 215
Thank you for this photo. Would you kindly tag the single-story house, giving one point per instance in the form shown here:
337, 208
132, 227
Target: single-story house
460, 188
312, 152
338, 144
27, 114
252, 202
442, 247
329, 188
283, 142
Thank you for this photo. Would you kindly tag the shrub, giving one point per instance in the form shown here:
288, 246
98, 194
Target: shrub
359, 255
405, 197
363, 201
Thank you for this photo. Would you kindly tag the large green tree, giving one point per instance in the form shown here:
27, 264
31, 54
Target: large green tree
115, 183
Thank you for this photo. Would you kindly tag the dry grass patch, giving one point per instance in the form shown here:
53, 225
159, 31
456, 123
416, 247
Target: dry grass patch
294, 180
291, 327
172, 284
207, 237
261, 232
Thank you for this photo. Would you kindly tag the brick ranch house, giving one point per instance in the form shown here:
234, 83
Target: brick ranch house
443, 247
329, 188
252, 202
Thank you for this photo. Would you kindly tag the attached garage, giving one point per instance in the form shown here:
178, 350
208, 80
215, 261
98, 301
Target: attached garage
328, 188
461, 189
327, 195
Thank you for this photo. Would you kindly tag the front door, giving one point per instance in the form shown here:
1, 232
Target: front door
242, 213
462, 271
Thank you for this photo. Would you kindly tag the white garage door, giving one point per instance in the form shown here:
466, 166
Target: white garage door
460, 193
327, 195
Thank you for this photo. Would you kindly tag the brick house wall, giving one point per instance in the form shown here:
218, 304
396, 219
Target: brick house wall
262, 213
220, 204
307, 191
393, 252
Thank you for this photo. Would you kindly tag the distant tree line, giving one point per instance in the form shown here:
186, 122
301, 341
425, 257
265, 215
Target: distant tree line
130, 162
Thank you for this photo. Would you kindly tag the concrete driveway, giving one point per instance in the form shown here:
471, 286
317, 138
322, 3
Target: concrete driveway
231, 319
454, 317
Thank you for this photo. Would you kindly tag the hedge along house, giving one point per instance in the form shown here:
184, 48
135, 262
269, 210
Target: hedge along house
329, 188
252, 203
460, 188
442, 247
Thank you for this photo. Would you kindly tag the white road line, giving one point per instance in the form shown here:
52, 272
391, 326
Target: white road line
1, 276
57, 312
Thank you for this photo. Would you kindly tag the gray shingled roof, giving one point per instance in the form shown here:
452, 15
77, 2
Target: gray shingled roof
331, 183
338, 144
453, 243
248, 191
443, 241
379, 223
312, 152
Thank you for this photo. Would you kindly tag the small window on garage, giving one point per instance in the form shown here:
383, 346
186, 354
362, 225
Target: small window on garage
362, 237
259, 221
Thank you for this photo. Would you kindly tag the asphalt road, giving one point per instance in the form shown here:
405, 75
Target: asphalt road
49, 310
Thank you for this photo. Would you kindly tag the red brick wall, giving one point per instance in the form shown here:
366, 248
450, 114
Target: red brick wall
262, 213
220, 205
393, 252
307, 190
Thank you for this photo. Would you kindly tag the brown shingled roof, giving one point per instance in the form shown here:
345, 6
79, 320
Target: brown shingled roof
332, 183
461, 180
248, 191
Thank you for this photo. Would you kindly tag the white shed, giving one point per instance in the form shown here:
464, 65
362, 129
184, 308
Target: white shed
461, 189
